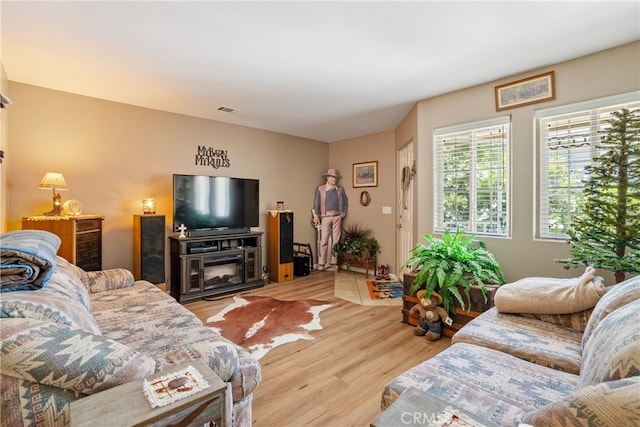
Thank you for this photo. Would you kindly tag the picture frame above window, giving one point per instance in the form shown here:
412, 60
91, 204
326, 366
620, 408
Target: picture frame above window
531, 90
365, 174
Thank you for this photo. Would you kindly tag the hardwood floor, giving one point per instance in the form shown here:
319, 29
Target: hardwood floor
336, 379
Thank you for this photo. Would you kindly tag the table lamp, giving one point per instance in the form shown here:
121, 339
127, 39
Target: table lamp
149, 206
55, 181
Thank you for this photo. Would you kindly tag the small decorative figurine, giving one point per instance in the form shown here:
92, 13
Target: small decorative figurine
182, 229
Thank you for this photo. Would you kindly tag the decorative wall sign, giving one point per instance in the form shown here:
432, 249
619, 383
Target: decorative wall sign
527, 91
207, 156
365, 174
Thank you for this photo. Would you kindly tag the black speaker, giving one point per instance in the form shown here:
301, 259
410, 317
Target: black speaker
301, 266
286, 237
149, 237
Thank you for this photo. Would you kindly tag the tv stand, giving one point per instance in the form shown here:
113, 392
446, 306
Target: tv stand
210, 232
213, 265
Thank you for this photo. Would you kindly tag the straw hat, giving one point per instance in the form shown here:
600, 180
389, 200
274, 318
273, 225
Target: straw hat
332, 172
420, 295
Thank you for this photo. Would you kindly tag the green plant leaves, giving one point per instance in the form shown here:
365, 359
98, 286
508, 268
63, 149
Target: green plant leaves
456, 261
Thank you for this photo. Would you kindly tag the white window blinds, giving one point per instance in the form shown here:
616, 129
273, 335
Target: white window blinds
471, 177
567, 138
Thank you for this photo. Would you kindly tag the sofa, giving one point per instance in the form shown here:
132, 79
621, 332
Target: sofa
541, 369
69, 333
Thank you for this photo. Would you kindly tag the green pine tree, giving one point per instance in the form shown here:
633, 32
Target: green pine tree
606, 234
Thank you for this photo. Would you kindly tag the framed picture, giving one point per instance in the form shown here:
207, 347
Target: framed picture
527, 91
365, 174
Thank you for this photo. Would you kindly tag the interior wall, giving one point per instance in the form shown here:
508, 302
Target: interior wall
377, 147
602, 74
115, 155
4, 126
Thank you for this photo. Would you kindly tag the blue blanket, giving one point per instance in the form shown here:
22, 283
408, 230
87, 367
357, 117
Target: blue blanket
27, 259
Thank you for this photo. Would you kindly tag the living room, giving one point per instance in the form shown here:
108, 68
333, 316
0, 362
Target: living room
114, 155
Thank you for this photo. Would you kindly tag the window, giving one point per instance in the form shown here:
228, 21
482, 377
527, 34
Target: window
567, 138
472, 177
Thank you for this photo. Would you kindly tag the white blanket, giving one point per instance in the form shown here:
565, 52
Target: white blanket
545, 295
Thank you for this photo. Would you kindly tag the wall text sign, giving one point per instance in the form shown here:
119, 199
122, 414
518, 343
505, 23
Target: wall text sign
207, 156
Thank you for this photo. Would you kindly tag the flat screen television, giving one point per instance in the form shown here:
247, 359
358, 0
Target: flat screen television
215, 203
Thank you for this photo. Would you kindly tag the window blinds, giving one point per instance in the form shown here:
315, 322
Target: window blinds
568, 141
471, 176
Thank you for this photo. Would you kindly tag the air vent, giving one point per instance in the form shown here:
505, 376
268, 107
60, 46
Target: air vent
226, 109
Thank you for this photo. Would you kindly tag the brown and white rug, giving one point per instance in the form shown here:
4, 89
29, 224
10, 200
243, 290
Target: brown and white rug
260, 324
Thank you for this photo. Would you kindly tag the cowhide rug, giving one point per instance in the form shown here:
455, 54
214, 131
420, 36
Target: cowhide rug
261, 323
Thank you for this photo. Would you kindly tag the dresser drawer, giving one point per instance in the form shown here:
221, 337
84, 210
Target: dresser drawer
88, 224
88, 242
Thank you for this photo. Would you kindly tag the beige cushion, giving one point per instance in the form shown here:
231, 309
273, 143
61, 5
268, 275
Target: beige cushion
545, 295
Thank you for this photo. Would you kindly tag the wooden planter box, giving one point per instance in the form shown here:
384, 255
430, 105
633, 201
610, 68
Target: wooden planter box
460, 318
367, 264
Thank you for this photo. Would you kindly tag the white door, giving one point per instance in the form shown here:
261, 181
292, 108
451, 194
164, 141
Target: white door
404, 205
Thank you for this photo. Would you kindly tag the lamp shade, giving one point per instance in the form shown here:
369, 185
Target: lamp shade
149, 206
53, 180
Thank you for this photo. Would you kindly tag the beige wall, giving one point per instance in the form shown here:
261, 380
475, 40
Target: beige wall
377, 147
114, 155
4, 130
606, 73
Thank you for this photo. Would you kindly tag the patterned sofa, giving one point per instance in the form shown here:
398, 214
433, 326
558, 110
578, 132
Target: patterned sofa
84, 332
538, 369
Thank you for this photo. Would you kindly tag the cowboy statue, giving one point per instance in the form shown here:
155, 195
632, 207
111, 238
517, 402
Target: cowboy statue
330, 206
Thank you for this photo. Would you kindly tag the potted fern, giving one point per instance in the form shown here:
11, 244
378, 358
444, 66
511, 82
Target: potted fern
356, 246
451, 265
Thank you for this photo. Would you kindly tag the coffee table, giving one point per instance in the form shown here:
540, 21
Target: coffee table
126, 405
416, 408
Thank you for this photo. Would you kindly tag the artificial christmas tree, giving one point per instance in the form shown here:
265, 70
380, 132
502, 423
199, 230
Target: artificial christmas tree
607, 234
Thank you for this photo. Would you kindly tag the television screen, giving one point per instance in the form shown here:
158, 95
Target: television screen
214, 202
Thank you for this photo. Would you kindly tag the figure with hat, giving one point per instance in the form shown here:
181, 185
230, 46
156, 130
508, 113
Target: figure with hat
431, 315
330, 206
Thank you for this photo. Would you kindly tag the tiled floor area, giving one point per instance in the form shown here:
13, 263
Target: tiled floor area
352, 286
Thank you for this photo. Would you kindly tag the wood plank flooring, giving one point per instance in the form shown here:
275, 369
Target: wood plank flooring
336, 379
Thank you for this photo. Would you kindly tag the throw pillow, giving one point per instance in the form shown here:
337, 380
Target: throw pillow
612, 403
616, 296
69, 358
107, 280
612, 351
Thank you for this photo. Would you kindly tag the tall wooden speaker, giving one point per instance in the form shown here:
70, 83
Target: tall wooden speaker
148, 248
280, 245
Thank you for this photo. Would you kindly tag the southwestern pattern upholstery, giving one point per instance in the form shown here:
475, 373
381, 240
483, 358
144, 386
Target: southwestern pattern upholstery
492, 368
84, 332
534, 340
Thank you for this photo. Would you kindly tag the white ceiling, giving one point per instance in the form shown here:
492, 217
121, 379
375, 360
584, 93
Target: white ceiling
320, 70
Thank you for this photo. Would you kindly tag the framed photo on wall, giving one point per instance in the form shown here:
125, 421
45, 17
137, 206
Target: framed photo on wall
527, 91
365, 174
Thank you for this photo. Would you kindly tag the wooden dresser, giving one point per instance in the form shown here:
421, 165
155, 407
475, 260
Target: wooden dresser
81, 237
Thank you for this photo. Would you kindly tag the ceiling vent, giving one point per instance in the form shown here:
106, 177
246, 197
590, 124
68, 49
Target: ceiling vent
226, 109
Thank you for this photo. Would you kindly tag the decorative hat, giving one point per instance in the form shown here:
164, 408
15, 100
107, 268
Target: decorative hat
332, 172
420, 295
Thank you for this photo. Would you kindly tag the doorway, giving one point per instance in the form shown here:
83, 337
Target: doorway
404, 207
